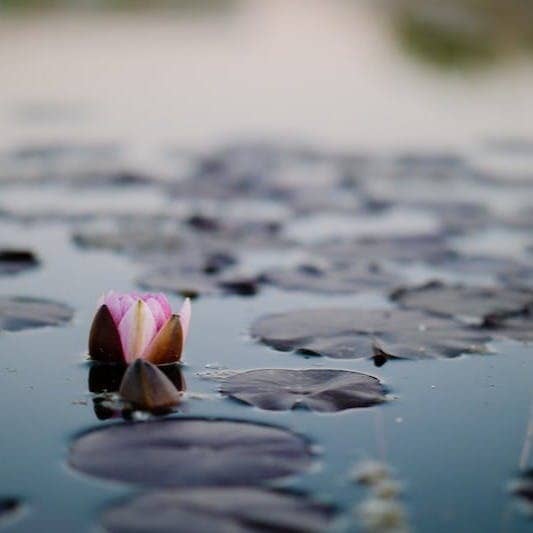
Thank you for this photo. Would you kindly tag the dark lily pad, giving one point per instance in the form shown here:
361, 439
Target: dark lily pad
372, 250
136, 235
506, 311
346, 333
221, 509
191, 452
321, 390
13, 261
198, 284
331, 279
461, 300
18, 313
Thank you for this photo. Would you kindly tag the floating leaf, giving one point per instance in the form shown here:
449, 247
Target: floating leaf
221, 509
351, 333
330, 279
461, 300
198, 284
18, 313
191, 452
500, 310
321, 390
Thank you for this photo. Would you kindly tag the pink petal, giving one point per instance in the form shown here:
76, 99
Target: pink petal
165, 304
185, 317
112, 300
137, 329
157, 311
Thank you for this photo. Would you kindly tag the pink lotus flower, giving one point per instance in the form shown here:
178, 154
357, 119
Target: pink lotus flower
134, 326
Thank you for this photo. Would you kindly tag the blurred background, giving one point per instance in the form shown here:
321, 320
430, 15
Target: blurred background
341, 73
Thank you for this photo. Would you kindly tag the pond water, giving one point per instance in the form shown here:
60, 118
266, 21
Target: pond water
389, 189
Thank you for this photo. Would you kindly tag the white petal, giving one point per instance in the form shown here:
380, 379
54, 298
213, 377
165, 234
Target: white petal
136, 329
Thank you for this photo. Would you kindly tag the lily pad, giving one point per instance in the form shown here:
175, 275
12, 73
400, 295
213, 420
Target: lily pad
331, 279
461, 300
221, 509
198, 284
346, 333
398, 249
322, 390
191, 452
18, 313
13, 261
506, 311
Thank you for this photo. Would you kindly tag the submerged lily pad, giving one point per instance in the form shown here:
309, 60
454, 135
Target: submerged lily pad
191, 452
321, 390
19, 312
346, 333
221, 509
13, 261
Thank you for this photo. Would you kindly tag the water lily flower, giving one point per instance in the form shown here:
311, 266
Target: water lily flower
134, 326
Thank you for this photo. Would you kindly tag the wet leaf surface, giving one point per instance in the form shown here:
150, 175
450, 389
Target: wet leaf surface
221, 509
191, 452
322, 390
19, 312
346, 333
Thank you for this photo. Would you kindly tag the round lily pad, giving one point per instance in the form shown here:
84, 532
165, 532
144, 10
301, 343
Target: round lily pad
346, 333
323, 390
221, 509
18, 313
191, 452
